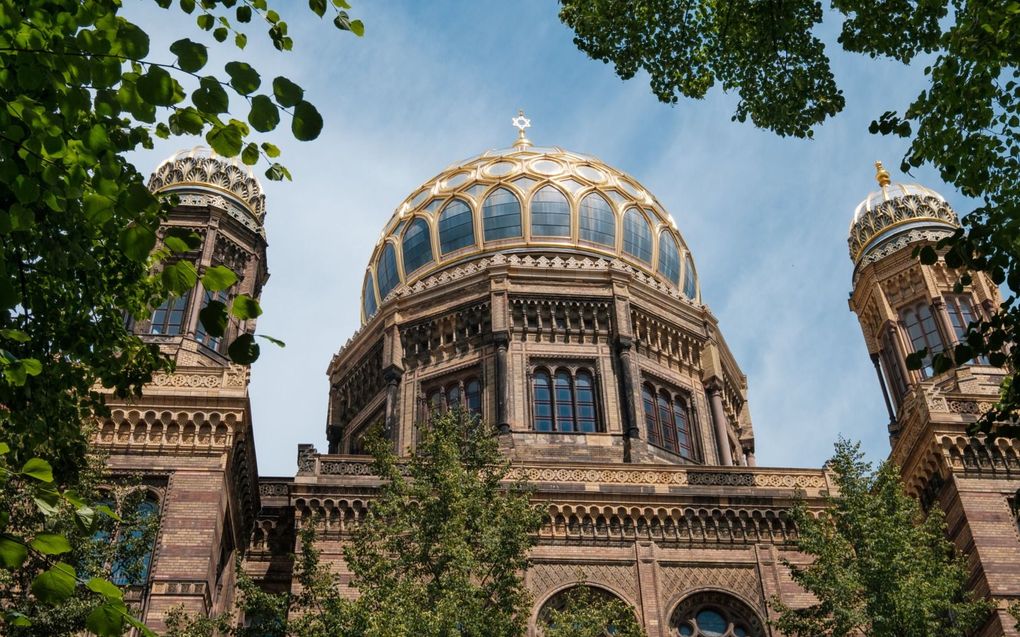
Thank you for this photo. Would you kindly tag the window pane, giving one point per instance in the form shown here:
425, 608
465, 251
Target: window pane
649, 406
666, 422
543, 401
598, 223
681, 424
473, 395
417, 246
585, 403
637, 237
550, 213
456, 227
368, 290
690, 288
564, 402
212, 342
669, 257
501, 215
453, 397
386, 271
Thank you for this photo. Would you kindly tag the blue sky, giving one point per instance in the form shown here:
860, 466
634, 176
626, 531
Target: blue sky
432, 83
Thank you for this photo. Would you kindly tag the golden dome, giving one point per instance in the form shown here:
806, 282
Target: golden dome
212, 179
526, 199
895, 210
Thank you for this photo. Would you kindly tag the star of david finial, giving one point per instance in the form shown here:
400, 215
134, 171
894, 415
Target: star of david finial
520, 123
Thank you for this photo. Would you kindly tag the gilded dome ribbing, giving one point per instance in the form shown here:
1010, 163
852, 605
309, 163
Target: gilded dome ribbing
526, 199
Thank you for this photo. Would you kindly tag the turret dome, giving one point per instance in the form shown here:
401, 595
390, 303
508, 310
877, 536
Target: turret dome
897, 213
526, 199
200, 176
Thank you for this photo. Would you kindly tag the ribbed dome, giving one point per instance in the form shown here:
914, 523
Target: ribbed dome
200, 170
526, 199
894, 210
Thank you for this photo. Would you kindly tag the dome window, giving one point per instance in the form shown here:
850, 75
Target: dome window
637, 237
387, 271
598, 223
456, 227
417, 246
550, 214
669, 258
368, 293
501, 215
690, 287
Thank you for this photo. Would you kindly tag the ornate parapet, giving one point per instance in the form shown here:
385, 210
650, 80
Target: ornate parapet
232, 377
168, 431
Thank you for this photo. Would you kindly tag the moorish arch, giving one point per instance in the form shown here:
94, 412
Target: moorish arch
557, 598
713, 613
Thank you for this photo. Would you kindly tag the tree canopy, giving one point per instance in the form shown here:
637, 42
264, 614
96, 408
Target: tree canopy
966, 123
80, 88
881, 566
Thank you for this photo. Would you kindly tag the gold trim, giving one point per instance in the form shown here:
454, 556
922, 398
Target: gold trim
901, 222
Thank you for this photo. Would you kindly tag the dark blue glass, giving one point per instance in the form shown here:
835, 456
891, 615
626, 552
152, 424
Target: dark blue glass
637, 237
690, 289
417, 246
386, 271
669, 257
550, 214
456, 227
598, 223
368, 291
501, 215
564, 402
542, 390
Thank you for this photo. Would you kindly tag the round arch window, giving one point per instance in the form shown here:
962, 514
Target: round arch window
714, 615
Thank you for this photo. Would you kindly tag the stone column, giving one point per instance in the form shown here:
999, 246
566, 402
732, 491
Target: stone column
719, 419
502, 340
885, 391
392, 376
625, 358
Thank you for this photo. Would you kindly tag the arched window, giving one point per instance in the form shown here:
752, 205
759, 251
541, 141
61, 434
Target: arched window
386, 270
576, 605
168, 318
961, 315
542, 390
126, 545
923, 333
368, 291
454, 393
453, 397
891, 366
598, 223
669, 257
711, 614
456, 227
690, 287
637, 237
203, 337
501, 215
550, 214
668, 420
473, 396
564, 398
585, 396
417, 246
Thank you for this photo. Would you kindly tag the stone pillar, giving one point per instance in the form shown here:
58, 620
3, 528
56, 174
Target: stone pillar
392, 376
719, 419
885, 391
502, 340
625, 358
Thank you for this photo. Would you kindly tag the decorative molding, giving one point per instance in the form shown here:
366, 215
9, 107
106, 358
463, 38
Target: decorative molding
235, 376
678, 581
545, 578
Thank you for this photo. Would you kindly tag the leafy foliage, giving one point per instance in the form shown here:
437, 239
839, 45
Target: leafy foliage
79, 90
881, 566
586, 613
966, 124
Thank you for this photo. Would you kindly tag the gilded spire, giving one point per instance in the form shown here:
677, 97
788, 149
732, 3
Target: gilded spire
520, 123
882, 175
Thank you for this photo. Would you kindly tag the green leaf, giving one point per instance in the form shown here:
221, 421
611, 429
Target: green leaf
225, 139
157, 87
243, 77
137, 241
244, 307
108, 512
38, 469
4, 448
240, 40
46, 502
250, 154
55, 585
307, 123
318, 7
287, 93
218, 277
928, 256
358, 28
274, 341
191, 239
270, 150
17, 336
264, 116
209, 97
205, 21
12, 552
278, 172
176, 245
179, 277
244, 350
104, 588
244, 13
31, 366
14, 618
220, 34
50, 544
191, 56
214, 318
107, 620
